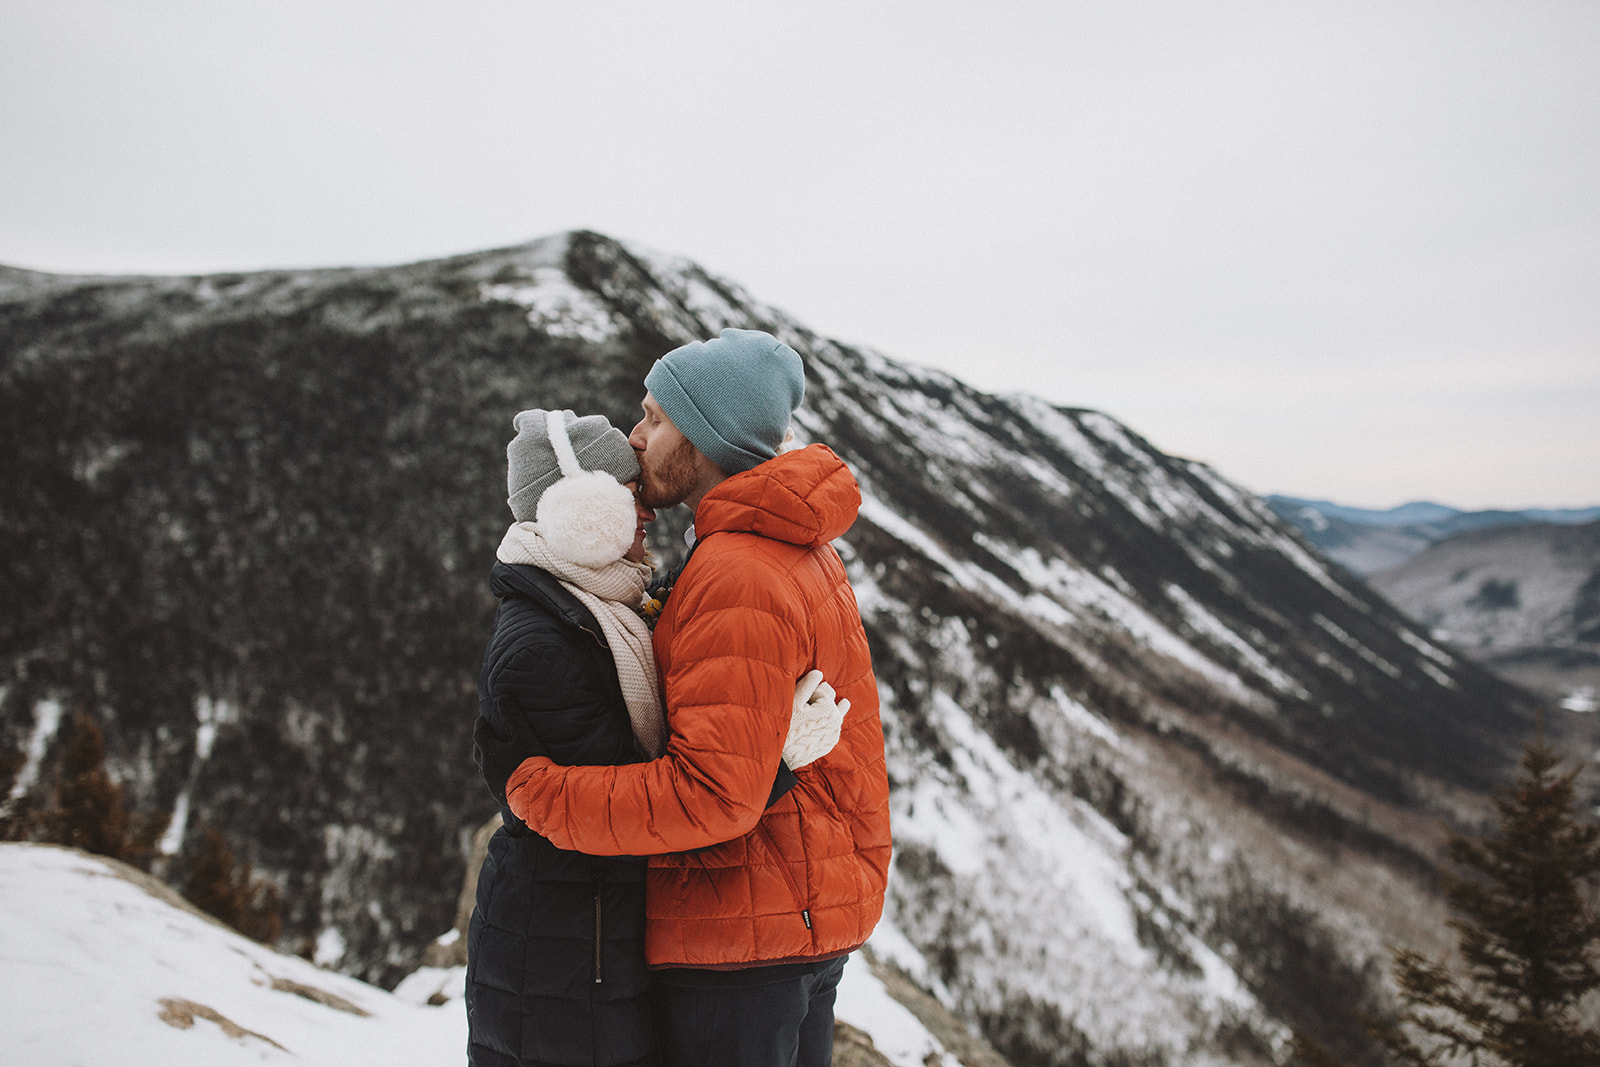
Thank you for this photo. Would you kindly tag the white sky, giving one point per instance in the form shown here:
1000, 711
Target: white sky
1347, 250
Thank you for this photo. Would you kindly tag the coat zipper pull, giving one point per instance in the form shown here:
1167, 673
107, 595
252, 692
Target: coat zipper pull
598, 977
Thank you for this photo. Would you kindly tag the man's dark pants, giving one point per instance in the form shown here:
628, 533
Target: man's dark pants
756, 1017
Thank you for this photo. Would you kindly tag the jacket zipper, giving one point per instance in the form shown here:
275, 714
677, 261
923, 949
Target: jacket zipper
794, 887
599, 877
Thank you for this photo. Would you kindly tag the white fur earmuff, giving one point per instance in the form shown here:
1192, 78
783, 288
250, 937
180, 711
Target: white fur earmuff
587, 517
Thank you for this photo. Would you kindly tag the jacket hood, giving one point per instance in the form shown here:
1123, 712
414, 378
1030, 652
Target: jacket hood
807, 497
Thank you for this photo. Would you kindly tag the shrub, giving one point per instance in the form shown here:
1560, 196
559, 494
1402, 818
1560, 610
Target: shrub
228, 890
87, 810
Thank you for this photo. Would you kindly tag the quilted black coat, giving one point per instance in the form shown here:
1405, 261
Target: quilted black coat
555, 951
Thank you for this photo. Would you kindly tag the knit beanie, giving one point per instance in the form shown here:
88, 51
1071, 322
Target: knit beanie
731, 396
532, 465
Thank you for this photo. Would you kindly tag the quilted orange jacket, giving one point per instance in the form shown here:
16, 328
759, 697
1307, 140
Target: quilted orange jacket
763, 600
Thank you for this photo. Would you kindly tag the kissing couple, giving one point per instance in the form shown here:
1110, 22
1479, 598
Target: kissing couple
692, 786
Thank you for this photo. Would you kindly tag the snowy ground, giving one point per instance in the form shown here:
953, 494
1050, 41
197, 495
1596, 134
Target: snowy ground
104, 967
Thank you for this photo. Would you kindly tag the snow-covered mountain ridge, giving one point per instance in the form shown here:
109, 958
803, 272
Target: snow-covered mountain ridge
1165, 781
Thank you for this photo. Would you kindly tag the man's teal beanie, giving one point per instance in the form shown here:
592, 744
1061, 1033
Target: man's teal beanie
731, 396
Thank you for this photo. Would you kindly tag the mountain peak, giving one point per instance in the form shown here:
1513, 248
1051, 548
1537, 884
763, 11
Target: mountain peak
1145, 745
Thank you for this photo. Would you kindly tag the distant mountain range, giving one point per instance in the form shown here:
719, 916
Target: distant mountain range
1366, 541
1165, 783
1519, 591
1522, 599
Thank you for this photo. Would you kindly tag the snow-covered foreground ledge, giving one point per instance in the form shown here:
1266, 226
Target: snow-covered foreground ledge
105, 965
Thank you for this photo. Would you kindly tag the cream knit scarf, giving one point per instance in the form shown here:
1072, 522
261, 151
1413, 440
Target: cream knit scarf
612, 594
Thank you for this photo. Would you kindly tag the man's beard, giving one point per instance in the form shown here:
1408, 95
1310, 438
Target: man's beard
671, 480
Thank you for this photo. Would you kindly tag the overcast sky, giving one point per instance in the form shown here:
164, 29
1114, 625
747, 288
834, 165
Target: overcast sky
1343, 250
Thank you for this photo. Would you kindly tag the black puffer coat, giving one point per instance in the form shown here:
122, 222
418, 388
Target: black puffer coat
555, 951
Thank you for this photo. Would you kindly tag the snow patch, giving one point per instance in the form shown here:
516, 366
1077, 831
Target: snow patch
1084, 719
896, 1034
104, 966
1007, 804
1273, 538
1582, 700
433, 986
1338, 634
555, 305
46, 722
1437, 675
330, 947
1069, 596
94, 461
209, 714
1438, 655
1203, 622
889, 521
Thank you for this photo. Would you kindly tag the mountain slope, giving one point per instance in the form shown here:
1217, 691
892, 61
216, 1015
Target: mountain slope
1524, 599
1165, 782
1505, 588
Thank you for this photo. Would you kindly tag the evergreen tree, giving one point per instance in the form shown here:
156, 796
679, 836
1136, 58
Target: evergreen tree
229, 891
14, 816
87, 809
1307, 1051
11, 762
1528, 934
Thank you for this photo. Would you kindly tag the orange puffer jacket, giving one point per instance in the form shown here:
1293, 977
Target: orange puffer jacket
763, 600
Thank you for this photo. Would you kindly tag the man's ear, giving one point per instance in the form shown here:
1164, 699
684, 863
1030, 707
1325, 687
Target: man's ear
709, 468
710, 474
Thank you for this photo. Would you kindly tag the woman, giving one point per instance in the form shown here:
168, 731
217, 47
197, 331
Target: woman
556, 972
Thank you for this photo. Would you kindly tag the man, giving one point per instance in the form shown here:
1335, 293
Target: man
750, 910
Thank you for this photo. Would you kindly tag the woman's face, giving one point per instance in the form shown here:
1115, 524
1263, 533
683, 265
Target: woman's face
645, 517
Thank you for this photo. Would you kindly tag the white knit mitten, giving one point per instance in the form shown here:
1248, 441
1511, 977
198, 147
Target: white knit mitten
814, 727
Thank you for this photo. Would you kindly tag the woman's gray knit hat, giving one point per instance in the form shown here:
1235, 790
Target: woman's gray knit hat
531, 465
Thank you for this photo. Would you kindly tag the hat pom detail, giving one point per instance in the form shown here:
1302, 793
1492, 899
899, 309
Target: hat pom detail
588, 519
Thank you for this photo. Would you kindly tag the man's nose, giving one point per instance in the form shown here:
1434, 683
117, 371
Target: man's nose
636, 435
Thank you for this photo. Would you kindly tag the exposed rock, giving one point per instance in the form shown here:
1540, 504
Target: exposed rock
181, 1014
450, 949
